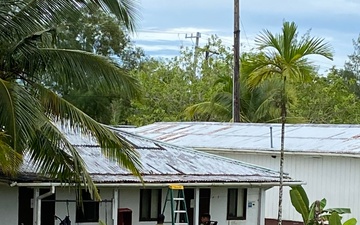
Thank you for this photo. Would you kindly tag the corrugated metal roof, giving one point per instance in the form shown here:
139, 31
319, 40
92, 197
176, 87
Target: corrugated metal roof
163, 162
306, 138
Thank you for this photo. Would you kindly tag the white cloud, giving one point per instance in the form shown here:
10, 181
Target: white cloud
159, 47
167, 22
299, 7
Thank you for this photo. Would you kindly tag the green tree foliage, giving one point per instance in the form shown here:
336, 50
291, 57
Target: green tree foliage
29, 108
258, 104
316, 213
101, 33
353, 65
327, 100
169, 86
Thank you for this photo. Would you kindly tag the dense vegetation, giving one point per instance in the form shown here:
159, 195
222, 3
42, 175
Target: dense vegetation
73, 61
37, 70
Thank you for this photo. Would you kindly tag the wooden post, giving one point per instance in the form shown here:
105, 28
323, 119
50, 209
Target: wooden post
236, 74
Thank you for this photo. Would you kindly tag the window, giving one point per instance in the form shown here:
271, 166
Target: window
150, 204
87, 210
236, 206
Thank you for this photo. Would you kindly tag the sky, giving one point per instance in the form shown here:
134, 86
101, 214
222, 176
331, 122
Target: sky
163, 25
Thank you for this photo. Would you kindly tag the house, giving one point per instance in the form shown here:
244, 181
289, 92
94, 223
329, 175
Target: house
233, 192
325, 157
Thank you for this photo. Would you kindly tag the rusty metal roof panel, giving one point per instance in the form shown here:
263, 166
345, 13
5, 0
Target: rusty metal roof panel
164, 162
114, 178
306, 138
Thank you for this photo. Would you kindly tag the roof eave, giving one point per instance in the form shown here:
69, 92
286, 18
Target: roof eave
276, 152
138, 184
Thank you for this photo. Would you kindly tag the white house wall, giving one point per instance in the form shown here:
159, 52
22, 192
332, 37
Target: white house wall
130, 198
325, 177
218, 207
9, 205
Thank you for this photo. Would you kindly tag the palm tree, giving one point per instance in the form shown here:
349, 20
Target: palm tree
285, 57
29, 110
257, 104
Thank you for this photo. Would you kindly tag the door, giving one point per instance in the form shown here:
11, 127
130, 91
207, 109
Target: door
25, 212
47, 208
26, 203
204, 204
190, 204
124, 216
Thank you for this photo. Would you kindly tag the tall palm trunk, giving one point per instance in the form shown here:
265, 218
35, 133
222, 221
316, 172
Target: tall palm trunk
283, 121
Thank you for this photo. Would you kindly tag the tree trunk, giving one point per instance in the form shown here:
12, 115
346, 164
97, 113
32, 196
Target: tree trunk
283, 121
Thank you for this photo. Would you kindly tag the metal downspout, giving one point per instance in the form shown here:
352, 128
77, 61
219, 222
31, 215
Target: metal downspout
115, 206
261, 207
196, 208
38, 203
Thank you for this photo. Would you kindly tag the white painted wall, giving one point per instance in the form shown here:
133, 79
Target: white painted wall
218, 207
9, 204
128, 198
333, 178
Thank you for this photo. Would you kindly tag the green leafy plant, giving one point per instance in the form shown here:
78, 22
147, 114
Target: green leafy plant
316, 212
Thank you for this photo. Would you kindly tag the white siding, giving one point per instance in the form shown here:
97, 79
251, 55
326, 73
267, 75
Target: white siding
325, 177
218, 207
129, 198
9, 205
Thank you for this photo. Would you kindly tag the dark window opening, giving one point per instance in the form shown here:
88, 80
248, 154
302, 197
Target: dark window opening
87, 210
150, 204
236, 206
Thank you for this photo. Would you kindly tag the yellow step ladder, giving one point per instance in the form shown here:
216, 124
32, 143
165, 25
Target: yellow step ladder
177, 201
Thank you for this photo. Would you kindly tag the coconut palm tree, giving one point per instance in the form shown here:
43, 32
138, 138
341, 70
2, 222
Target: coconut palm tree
30, 110
286, 57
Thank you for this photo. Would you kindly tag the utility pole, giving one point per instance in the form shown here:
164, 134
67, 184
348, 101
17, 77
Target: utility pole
236, 74
197, 38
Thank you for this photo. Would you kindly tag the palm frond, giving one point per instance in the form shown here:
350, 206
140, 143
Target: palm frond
125, 10
315, 46
10, 160
22, 18
112, 145
288, 39
67, 166
209, 109
19, 109
91, 71
285, 56
44, 14
267, 39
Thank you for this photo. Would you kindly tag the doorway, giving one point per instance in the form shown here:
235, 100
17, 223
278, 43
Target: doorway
26, 206
47, 208
204, 202
190, 204
25, 209
124, 216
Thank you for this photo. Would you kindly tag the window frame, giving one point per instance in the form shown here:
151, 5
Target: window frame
244, 200
149, 206
85, 207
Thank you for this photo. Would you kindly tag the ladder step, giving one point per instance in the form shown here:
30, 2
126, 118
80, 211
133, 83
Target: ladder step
179, 199
179, 211
181, 223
